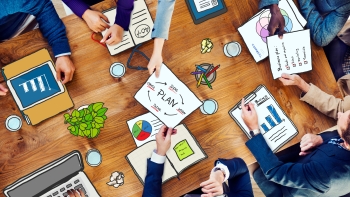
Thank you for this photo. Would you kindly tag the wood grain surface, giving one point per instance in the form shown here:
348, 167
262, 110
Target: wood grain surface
31, 147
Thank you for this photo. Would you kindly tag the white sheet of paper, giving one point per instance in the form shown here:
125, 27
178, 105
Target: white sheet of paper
140, 28
138, 159
167, 97
144, 128
290, 55
276, 128
255, 33
202, 5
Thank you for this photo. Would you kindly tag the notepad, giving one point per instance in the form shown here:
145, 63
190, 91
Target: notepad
140, 28
184, 152
255, 33
275, 126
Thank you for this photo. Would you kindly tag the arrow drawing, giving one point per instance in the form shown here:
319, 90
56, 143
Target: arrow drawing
149, 96
169, 114
162, 83
182, 99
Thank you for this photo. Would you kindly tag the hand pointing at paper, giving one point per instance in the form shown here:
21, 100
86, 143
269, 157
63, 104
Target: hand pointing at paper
276, 22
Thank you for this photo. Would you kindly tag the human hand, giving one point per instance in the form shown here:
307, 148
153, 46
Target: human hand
213, 186
249, 116
113, 35
276, 21
64, 69
94, 20
75, 193
3, 90
308, 142
156, 59
163, 139
288, 80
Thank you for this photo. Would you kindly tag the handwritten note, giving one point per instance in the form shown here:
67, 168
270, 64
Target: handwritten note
183, 150
290, 55
167, 97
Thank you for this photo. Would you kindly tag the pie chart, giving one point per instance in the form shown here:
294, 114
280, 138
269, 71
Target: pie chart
141, 130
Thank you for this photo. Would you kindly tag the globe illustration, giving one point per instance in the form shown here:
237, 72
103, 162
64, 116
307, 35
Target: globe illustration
264, 20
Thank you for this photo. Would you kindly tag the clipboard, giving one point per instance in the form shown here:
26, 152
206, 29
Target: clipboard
33, 85
274, 124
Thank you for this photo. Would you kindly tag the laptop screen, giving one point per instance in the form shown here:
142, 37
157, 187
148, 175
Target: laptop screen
55, 173
35, 85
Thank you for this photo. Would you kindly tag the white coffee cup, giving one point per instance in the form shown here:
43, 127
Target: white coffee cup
13, 123
210, 106
232, 49
117, 70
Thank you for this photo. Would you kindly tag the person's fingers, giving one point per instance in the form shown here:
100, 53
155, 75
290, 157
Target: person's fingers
81, 193
110, 40
105, 37
251, 106
210, 186
104, 25
104, 17
157, 71
2, 93
304, 153
271, 29
150, 68
174, 132
207, 182
286, 76
58, 73
280, 33
67, 77
168, 134
244, 109
3, 89
307, 147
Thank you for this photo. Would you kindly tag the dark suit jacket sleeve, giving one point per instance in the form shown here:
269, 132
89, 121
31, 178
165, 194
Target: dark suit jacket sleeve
153, 181
309, 175
239, 180
264, 3
326, 136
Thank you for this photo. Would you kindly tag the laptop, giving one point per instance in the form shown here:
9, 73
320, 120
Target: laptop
54, 179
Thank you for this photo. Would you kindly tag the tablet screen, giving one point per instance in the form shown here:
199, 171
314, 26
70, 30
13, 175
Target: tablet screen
35, 85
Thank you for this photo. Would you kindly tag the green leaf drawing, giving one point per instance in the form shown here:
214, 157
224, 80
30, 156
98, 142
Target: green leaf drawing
95, 132
75, 113
88, 117
81, 113
73, 130
101, 112
66, 116
97, 106
81, 133
99, 120
90, 107
87, 132
94, 114
88, 125
104, 117
82, 126
74, 119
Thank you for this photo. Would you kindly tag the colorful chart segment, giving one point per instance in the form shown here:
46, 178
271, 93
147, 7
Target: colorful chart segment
141, 130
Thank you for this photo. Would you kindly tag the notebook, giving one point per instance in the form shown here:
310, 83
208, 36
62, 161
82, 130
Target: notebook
33, 85
255, 33
202, 10
275, 126
140, 28
184, 152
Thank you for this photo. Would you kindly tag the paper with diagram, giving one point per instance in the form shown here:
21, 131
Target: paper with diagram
255, 33
140, 28
167, 97
275, 126
288, 56
144, 128
184, 152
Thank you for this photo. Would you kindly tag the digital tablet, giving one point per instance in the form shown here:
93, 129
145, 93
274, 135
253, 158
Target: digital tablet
35, 86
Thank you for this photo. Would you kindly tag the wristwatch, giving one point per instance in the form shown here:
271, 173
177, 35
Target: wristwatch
222, 170
254, 132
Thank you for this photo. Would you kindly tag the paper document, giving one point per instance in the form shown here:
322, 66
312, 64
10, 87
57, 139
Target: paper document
167, 97
275, 126
140, 28
290, 55
255, 33
202, 5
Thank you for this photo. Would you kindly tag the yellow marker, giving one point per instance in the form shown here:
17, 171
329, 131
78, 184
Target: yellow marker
199, 81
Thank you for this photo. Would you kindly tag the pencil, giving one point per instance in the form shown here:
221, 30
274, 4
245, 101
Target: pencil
206, 80
200, 79
211, 72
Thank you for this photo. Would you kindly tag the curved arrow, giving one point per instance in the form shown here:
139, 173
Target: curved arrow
149, 96
162, 83
169, 114
182, 99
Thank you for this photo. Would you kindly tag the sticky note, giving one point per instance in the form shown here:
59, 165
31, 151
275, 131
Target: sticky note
183, 150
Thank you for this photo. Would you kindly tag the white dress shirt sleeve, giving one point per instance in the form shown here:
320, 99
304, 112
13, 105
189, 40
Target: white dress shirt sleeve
157, 158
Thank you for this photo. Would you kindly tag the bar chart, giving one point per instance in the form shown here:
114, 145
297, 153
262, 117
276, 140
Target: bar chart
269, 119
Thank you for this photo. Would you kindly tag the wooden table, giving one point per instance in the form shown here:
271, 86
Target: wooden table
34, 146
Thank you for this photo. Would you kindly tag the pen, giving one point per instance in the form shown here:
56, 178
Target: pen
206, 80
211, 72
209, 69
196, 73
200, 68
200, 79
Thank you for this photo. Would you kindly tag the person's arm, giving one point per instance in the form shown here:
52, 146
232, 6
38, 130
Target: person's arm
155, 165
238, 178
160, 33
124, 9
265, 4
311, 176
276, 21
323, 29
325, 103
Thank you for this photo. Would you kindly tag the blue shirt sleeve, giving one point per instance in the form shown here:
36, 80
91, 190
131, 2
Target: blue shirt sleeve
164, 14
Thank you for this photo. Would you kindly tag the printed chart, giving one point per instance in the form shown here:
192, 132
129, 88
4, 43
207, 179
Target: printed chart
141, 130
269, 120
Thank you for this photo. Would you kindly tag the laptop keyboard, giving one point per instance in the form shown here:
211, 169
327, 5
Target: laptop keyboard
61, 191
